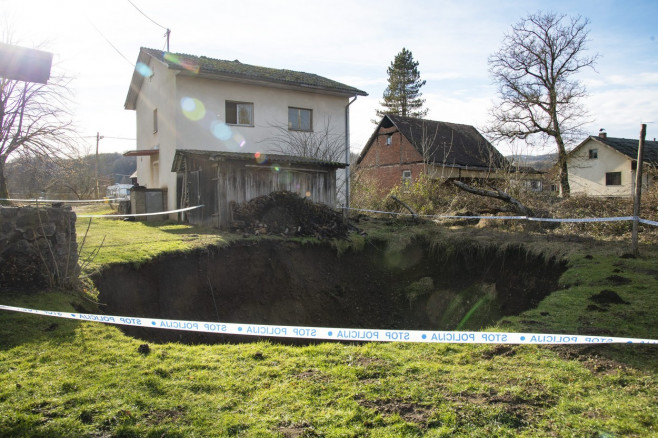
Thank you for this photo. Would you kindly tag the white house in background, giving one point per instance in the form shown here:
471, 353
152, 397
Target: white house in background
605, 166
186, 102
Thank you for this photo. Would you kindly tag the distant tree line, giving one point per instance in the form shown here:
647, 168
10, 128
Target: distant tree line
73, 178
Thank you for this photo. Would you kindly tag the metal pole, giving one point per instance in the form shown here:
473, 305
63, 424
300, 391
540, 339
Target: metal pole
638, 188
98, 139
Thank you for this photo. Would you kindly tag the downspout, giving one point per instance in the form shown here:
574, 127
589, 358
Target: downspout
347, 159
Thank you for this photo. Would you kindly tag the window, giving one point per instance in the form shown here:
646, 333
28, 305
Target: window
406, 179
389, 140
593, 154
300, 119
613, 179
240, 113
155, 120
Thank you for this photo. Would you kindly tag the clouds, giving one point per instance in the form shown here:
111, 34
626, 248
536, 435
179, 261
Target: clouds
352, 42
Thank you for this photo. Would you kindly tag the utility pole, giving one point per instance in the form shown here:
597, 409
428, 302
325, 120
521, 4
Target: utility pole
638, 188
98, 139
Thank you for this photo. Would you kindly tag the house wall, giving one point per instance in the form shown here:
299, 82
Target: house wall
157, 92
587, 175
386, 162
205, 129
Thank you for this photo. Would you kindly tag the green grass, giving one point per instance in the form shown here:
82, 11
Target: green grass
104, 241
72, 378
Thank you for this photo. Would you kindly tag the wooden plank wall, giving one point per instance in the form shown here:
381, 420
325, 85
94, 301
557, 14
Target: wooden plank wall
226, 181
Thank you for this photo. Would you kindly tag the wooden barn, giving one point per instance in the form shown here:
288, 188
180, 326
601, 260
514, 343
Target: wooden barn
215, 179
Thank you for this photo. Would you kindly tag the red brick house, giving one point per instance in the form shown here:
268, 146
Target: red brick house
403, 148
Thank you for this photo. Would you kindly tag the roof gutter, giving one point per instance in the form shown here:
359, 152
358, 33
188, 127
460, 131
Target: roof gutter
347, 158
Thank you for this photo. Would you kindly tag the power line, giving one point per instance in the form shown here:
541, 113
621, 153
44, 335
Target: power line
152, 21
110, 43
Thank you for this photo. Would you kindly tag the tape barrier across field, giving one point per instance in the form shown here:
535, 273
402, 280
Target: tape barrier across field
339, 334
527, 218
63, 201
140, 214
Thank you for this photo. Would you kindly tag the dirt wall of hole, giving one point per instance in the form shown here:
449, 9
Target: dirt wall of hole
283, 282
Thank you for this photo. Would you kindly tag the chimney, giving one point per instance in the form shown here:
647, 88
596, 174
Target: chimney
603, 134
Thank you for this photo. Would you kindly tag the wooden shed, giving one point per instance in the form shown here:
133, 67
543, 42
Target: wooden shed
215, 179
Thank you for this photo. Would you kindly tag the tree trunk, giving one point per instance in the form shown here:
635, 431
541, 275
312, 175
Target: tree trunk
4, 194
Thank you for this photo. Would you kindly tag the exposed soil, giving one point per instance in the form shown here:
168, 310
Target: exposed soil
284, 282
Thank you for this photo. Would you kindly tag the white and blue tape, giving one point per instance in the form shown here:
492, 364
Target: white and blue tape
63, 201
527, 218
339, 334
139, 214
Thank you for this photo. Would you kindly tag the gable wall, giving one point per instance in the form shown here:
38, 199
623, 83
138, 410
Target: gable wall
385, 163
587, 176
156, 92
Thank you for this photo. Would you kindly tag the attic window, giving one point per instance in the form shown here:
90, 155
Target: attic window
389, 140
240, 113
593, 154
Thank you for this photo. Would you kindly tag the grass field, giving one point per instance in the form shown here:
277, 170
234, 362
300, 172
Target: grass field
71, 378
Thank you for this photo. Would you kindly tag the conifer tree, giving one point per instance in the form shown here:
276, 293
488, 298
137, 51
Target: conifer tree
402, 96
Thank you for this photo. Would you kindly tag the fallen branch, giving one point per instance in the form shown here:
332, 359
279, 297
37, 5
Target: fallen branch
413, 213
497, 194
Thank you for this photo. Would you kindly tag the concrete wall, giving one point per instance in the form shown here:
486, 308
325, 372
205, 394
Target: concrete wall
37, 247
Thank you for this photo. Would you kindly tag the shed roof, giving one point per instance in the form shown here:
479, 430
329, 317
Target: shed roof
450, 144
628, 147
235, 70
265, 160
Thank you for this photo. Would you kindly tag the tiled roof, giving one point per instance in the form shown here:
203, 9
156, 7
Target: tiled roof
628, 147
235, 69
449, 144
265, 160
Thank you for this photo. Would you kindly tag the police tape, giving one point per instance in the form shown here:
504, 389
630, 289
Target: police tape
338, 334
139, 214
63, 201
527, 218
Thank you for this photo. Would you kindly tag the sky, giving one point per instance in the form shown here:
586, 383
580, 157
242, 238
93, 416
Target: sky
97, 43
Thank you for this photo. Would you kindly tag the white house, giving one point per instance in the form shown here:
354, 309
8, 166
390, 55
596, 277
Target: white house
186, 102
605, 166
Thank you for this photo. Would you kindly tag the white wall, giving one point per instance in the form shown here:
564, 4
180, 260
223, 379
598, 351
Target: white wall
587, 176
178, 129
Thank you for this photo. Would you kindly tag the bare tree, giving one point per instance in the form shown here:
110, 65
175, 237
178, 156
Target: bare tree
323, 144
33, 120
534, 71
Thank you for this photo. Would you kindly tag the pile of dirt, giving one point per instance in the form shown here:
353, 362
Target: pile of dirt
288, 214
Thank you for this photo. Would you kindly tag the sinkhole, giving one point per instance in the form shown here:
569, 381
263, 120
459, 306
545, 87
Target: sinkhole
416, 286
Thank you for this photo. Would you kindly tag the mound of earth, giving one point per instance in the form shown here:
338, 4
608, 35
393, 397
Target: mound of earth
289, 214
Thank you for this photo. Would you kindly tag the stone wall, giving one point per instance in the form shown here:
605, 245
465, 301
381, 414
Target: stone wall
38, 247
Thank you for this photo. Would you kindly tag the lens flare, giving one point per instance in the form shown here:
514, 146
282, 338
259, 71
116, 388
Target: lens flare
221, 130
144, 69
260, 158
276, 168
183, 63
193, 108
